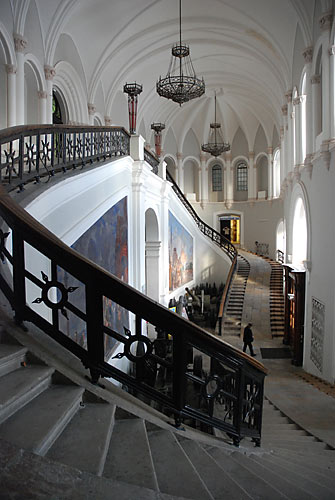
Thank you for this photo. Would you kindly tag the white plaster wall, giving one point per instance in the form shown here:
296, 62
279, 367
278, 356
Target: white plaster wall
317, 191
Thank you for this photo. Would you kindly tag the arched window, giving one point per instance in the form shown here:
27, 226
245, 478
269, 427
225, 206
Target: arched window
56, 110
276, 173
216, 178
299, 233
303, 120
242, 177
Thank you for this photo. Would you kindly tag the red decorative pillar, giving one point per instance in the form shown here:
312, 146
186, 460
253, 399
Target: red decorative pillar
158, 127
133, 90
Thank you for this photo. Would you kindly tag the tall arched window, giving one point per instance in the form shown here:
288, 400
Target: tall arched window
303, 119
216, 178
242, 177
299, 235
276, 173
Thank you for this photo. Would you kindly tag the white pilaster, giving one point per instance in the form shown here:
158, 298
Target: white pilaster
270, 173
20, 46
297, 103
308, 56
91, 112
11, 95
332, 92
204, 179
180, 171
229, 180
42, 106
49, 73
252, 177
316, 93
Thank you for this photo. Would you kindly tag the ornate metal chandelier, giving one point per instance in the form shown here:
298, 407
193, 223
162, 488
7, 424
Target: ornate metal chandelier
181, 83
215, 146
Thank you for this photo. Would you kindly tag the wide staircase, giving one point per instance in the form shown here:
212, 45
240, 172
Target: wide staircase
276, 299
232, 318
44, 412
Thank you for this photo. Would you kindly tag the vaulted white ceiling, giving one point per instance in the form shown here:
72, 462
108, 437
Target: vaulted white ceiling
244, 49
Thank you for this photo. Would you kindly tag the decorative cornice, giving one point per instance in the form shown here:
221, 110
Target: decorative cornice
315, 79
282, 131
179, 156
203, 157
308, 54
20, 43
108, 121
91, 108
288, 96
325, 21
284, 110
331, 50
228, 156
251, 155
49, 72
296, 173
42, 94
270, 150
308, 165
10, 69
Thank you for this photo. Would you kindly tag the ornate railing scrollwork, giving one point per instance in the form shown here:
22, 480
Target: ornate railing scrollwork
160, 347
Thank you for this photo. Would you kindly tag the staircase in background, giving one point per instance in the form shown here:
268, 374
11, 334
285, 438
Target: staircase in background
43, 412
276, 299
234, 308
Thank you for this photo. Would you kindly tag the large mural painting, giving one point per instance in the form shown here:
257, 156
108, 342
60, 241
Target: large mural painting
106, 244
180, 254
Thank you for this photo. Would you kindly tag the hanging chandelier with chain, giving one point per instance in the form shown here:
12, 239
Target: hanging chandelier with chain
216, 145
181, 83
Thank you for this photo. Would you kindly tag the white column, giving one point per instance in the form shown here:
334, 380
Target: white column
316, 89
297, 102
152, 251
42, 105
204, 179
180, 171
252, 177
332, 92
308, 56
164, 236
229, 180
290, 132
49, 73
11, 95
325, 23
20, 46
91, 112
270, 173
284, 152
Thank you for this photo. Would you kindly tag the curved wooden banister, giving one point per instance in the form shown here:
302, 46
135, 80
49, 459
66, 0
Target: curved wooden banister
238, 378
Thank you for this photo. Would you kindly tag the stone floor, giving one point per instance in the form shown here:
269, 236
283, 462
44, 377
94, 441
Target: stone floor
303, 402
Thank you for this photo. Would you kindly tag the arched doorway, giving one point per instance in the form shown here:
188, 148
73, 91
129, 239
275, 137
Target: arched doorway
152, 252
280, 242
299, 235
59, 112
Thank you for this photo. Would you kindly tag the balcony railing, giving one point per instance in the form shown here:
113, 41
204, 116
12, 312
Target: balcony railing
160, 347
29, 153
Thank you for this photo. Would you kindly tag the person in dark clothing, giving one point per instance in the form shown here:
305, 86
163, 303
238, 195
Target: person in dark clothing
248, 339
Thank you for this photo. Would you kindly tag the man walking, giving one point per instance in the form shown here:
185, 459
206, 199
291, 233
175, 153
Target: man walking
248, 339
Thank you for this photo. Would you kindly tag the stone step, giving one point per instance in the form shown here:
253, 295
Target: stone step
93, 423
256, 486
36, 426
176, 474
11, 357
20, 386
129, 456
311, 447
315, 489
320, 464
266, 470
303, 471
220, 484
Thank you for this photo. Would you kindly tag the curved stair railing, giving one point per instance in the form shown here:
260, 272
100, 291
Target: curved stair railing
227, 393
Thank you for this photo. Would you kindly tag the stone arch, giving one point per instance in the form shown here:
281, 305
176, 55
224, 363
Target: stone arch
68, 84
191, 169
281, 238
34, 84
171, 167
152, 253
262, 175
298, 233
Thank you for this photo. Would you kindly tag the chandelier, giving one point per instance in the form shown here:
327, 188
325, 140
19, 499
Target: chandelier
181, 83
215, 146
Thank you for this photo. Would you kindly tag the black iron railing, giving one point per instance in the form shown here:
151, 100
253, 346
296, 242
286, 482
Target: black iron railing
214, 235
152, 159
159, 346
29, 153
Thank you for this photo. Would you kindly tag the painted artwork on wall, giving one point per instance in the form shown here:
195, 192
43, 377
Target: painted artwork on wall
106, 244
180, 254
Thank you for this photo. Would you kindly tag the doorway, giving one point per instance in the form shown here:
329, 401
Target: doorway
230, 228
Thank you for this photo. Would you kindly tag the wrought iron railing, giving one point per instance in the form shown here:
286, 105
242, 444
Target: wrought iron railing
160, 346
280, 256
214, 235
29, 153
152, 159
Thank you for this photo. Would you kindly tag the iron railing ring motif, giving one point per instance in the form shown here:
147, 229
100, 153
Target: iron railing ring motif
136, 348
61, 294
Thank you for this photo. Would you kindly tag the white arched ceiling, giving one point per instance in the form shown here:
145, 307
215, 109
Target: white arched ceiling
242, 48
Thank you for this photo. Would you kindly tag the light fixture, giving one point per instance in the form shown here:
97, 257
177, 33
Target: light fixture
181, 83
133, 90
158, 127
215, 146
